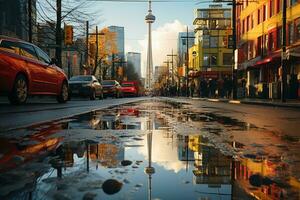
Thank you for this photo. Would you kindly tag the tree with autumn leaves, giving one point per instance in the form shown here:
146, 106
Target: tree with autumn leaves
107, 46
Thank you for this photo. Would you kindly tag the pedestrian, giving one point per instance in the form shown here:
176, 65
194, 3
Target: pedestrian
221, 87
192, 88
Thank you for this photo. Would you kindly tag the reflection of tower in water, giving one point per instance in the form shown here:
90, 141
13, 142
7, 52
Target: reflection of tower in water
149, 170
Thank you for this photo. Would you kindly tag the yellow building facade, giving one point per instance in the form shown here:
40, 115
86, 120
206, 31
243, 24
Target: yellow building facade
259, 34
211, 56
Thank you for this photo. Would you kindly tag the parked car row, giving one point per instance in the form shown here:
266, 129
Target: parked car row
26, 70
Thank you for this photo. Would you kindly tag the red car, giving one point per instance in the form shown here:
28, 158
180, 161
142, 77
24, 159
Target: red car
26, 70
130, 88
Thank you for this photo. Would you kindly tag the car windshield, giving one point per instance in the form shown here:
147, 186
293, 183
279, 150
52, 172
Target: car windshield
81, 78
108, 82
127, 84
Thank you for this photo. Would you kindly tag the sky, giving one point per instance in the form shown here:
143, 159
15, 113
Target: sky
171, 18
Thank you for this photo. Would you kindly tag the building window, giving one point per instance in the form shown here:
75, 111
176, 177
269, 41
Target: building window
265, 12
258, 16
206, 41
259, 46
272, 41
210, 60
272, 7
291, 33
227, 59
252, 22
213, 59
293, 2
297, 29
247, 25
279, 6
206, 60
265, 44
279, 37
213, 43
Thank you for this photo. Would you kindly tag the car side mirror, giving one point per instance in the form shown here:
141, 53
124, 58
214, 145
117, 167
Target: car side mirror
53, 61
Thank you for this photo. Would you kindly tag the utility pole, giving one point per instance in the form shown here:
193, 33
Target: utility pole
87, 45
187, 59
30, 21
168, 71
172, 55
113, 66
234, 38
284, 54
58, 34
97, 51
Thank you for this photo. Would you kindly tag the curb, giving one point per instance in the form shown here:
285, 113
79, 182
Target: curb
271, 104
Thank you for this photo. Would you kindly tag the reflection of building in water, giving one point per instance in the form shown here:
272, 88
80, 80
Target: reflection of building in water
246, 168
111, 121
210, 166
184, 152
108, 155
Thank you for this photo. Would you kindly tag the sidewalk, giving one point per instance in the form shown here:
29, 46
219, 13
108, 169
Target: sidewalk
263, 102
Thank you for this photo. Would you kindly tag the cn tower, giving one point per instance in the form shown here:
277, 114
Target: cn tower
150, 18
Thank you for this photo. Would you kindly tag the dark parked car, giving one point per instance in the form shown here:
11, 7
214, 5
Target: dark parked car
85, 85
111, 88
26, 70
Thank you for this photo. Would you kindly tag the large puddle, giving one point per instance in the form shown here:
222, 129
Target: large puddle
148, 150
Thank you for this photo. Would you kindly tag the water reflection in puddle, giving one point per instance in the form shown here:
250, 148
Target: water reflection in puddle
140, 158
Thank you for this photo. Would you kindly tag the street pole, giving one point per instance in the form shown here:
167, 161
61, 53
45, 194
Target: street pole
30, 21
113, 67
58, 34
284, 56
187, 59
87, 45
168, 71
234, 38
172, 55
97, 51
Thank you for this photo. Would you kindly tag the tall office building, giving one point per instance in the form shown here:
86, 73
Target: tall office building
182, 46
135, 59
14, 18
120, 40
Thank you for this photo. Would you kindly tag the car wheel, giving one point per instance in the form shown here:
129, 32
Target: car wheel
19, 93
93, 95
101, 96
63, 97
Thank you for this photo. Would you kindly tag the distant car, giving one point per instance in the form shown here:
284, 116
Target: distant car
26, 70
111, 88
85, 85
130, 88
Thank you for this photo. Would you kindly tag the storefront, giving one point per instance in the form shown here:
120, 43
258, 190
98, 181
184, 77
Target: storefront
263, 80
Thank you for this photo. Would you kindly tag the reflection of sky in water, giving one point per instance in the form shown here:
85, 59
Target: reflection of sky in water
173, 177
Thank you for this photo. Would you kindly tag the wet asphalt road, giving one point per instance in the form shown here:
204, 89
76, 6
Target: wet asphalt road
198, 150
38, 110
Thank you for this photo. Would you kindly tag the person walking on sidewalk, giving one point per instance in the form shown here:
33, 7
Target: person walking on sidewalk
192, 88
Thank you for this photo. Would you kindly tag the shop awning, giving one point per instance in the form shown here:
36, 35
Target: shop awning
270, 59
209, 74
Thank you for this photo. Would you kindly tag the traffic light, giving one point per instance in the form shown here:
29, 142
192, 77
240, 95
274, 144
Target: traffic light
68, 35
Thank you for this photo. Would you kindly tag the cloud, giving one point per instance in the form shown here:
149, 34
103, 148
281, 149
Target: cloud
164, 39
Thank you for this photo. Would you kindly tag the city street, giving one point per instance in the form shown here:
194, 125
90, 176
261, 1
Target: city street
149, 100
139, 148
